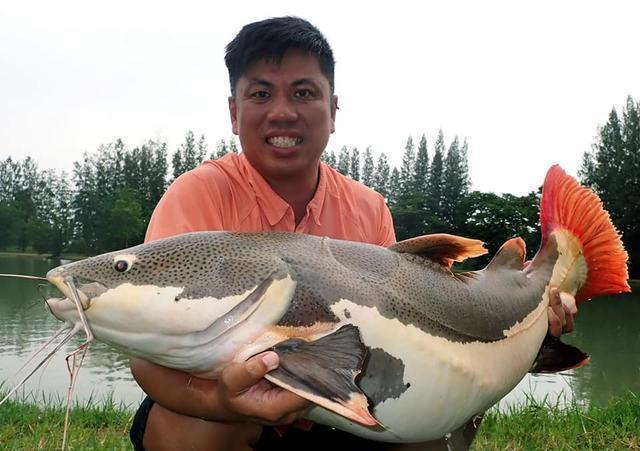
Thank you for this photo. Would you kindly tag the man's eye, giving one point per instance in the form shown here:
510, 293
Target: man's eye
260, 95
304, 93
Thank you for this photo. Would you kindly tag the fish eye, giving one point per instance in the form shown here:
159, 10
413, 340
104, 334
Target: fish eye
124, 262
121, 266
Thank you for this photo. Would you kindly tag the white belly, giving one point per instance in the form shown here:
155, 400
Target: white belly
449, 382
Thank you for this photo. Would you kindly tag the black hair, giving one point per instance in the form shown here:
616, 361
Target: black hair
269, 39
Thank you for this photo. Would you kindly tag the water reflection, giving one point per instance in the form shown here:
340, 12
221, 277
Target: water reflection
605, 328
25, 326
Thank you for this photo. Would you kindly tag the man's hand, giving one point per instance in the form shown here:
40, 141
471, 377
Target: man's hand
241, 394
562, 307
243, 391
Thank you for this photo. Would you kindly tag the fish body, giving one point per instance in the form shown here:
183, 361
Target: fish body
389, 343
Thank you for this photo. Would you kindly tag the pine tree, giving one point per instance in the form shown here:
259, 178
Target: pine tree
434, 202
157, 175
343, 161
612, 169
329, 158
394, 186
8, 171
381, 177
631, 145
202, 149
368, 168
455, 182
221, 150
354, 165
421, 170
177, 164
84, 204
407, 169
189, 155
233, 145
464, 166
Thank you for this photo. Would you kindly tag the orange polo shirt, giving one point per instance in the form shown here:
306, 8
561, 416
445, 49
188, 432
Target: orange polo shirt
229, 194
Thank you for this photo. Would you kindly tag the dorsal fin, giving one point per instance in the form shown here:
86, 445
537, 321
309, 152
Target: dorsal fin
441, 247
510, 255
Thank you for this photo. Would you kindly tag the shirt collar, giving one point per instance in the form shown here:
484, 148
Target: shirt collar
273, 206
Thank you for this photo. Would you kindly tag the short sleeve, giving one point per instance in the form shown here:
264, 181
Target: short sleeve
188, 205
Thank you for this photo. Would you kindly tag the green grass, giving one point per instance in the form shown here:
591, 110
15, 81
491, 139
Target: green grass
543, 426
536, 426
93, 426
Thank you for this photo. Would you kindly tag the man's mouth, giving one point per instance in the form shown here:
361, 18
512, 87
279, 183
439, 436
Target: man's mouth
284, 141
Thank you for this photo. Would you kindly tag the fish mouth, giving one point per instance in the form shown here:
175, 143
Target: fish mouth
77, 298
60, 307
83, 288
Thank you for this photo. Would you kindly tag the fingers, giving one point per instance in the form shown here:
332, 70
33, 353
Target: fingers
562, 307
555, 324
239, 377
569, 302
555, 312
246, 395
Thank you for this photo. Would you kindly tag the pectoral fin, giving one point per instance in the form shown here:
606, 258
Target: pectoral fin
323, 371
277, 290
554, 356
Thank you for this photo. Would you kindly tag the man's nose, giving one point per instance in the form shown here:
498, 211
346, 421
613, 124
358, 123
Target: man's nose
283, 109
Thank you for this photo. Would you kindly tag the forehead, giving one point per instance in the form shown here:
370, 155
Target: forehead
294, 65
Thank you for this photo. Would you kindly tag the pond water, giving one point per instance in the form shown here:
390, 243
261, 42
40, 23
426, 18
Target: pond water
606, 328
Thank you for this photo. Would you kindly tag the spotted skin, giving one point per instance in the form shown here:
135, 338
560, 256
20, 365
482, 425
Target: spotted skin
476, 306
423, 325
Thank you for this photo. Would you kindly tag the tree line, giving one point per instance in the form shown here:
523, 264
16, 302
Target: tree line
107, 201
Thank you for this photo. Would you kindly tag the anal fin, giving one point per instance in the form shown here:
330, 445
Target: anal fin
324, 371
554, 356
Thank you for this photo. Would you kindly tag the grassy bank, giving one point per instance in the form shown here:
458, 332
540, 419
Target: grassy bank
92, 427
615, 426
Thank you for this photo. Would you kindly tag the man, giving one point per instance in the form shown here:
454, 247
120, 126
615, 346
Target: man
283, 109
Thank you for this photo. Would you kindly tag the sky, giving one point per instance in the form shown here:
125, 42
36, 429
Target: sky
526, 83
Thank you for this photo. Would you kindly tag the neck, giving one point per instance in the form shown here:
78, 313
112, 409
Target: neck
297, 191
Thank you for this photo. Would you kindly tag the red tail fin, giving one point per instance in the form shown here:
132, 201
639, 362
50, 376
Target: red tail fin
567, 208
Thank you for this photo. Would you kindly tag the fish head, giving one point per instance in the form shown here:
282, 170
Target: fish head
170, 299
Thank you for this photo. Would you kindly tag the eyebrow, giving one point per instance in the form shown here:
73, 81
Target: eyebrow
301, 81
305, 81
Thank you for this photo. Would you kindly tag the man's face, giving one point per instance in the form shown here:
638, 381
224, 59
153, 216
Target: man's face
284, 113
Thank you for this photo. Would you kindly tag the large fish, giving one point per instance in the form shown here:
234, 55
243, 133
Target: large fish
389, 344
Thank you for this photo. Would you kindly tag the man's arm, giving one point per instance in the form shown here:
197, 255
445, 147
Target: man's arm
241, 394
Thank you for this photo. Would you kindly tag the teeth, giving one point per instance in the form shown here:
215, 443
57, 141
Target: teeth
284, 141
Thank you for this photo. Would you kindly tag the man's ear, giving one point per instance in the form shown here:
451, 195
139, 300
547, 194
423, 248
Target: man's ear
334, 108
233, 113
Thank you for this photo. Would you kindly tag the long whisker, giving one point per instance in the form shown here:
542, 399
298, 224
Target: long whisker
73, 374
41, 348
66, 338
23, 276
76, 299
